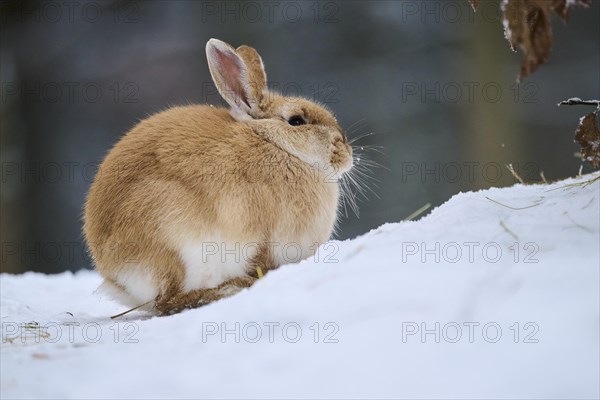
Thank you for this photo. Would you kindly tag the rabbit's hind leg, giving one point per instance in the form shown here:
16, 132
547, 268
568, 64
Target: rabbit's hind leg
172, 301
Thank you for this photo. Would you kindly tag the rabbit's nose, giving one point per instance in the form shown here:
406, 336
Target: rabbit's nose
344, 138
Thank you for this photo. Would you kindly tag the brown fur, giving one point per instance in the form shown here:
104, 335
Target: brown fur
189, 172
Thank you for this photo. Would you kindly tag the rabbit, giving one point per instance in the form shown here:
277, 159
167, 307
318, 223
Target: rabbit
194, 202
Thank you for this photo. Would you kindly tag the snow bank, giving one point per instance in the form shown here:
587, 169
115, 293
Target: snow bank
494, 294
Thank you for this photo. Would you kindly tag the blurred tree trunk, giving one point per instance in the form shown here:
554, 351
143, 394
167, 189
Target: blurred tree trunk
493, 138
12, 190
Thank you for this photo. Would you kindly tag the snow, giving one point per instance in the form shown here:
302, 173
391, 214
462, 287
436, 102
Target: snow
529, 319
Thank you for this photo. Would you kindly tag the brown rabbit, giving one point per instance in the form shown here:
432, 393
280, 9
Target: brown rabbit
194, 200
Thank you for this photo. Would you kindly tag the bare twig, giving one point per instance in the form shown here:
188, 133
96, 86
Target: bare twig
576, 102
588, 204
513, 208
543, 177
514, 173
577, 184
511, 233
418, 212
576, 224
128, 311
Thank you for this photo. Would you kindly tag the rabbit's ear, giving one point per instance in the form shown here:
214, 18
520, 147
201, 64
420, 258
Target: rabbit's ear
256, 70
236, 81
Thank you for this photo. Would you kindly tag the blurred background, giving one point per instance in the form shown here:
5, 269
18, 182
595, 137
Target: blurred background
432, 80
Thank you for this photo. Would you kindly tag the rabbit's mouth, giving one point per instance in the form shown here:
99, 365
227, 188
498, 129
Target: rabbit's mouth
341, 156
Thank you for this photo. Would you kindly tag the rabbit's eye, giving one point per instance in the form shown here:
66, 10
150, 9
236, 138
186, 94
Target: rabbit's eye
296, 121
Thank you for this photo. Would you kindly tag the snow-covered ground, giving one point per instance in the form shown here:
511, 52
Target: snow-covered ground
495, 294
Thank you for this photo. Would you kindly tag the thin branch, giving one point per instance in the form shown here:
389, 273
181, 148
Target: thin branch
511, 233
512, 208
588, 204
514, 173
576, 224
577, 101
417, 212
577, 184
130, 310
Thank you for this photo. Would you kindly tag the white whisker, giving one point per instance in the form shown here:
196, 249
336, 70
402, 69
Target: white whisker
356, 125
359, 137
358, 183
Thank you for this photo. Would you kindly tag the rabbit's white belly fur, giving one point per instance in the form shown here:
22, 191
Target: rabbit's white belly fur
138, 284
209, 263
293, 250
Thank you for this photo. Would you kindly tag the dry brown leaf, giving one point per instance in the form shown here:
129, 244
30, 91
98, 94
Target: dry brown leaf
588, 136
561, 8
528, 27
